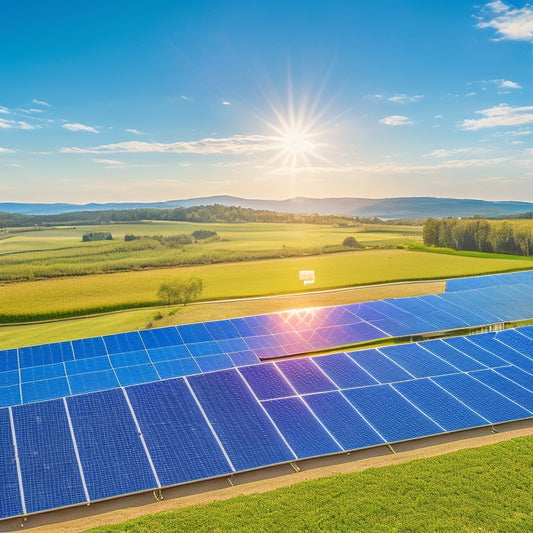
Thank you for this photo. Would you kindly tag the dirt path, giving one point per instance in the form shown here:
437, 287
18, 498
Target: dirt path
418, 449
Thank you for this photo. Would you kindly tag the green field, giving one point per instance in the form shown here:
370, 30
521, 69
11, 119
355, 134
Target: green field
485, 489
76, 296
55, 252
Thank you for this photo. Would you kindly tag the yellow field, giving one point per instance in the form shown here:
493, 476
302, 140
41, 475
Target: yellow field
82, 295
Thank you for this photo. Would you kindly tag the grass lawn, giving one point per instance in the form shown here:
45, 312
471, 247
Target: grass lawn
485, 489
76, 296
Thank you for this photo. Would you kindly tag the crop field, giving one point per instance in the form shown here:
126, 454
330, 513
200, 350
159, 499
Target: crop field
75, 296
54, 252
484, 489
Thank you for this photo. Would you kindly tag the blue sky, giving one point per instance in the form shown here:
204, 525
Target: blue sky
152, 101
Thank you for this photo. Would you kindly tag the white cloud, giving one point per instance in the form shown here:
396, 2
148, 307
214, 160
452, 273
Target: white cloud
225, 102
15, 124
186, 97
404, 99
6, 150
395, 120
507, 84
4, 110
40, 102
471, 94
110, 163
444, 153
509, 22
131, 130
501, 115
79, 127
437, 116
237, 144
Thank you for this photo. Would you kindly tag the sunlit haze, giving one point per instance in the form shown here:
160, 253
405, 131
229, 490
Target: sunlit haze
133, 101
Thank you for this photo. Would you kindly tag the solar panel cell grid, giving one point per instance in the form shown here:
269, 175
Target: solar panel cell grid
267, 381
343, 371
10, 498
518, 376
161, 337
305, 376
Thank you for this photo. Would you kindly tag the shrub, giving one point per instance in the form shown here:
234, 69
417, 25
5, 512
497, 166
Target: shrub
201, 234
181, 290
97, 236
350, 242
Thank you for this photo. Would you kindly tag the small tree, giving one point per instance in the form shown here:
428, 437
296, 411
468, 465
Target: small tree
181, 290
350, 242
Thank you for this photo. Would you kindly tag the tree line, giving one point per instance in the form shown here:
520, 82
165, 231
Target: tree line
201, 214
479, 235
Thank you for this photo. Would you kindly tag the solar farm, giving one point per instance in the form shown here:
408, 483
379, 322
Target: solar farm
105, 417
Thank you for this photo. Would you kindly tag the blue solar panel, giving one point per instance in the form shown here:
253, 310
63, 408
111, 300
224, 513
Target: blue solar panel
472, 301
456, 358
343, 421
222, 329
46, 389
10, 395
517, 375
392, 416
129, 359
511, 390
36, 373
440, 301
132, 375
45, 354
123, 342
93, 347
486, 402
168, 353
247, 435
176, 368
344, 371
464, 345
266, 381
113, 459
199, 349
417, 361
442, 407
214, 362
11, 377
504, 352
191, 333
304, 433
515, 339
243, 358
10, 502
379, 366
82, 366
181, 445
305, 376
232, 345
527, 331
245, 328
161, 337
93, 381
8, 360
50, 471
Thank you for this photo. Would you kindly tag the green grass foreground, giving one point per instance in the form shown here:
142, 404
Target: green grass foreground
483, 489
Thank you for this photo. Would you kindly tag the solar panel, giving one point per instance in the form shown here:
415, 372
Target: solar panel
10, 495
305, 376
113, 458
49, 468
343, 371
302, 430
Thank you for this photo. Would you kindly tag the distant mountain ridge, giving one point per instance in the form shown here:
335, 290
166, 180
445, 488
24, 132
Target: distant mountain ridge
386, 208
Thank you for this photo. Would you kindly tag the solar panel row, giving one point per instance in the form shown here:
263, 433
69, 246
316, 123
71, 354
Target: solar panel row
479, 282
94, 446
55, 370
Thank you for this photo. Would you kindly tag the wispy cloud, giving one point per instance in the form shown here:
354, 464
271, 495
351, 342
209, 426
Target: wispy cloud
501, 115
225, 102
237, 144
134, 131
79, 127
16, 124
509, 23
6, 150
507, 84
4, 110
395, 120
188, 98
445, 153
404, 99
110, 163
40, 102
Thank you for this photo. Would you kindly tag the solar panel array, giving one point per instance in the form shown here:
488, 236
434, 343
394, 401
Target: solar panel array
50, 371
93, 446
478, 282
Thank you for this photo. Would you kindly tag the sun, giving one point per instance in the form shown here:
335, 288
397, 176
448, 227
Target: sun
299, 129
